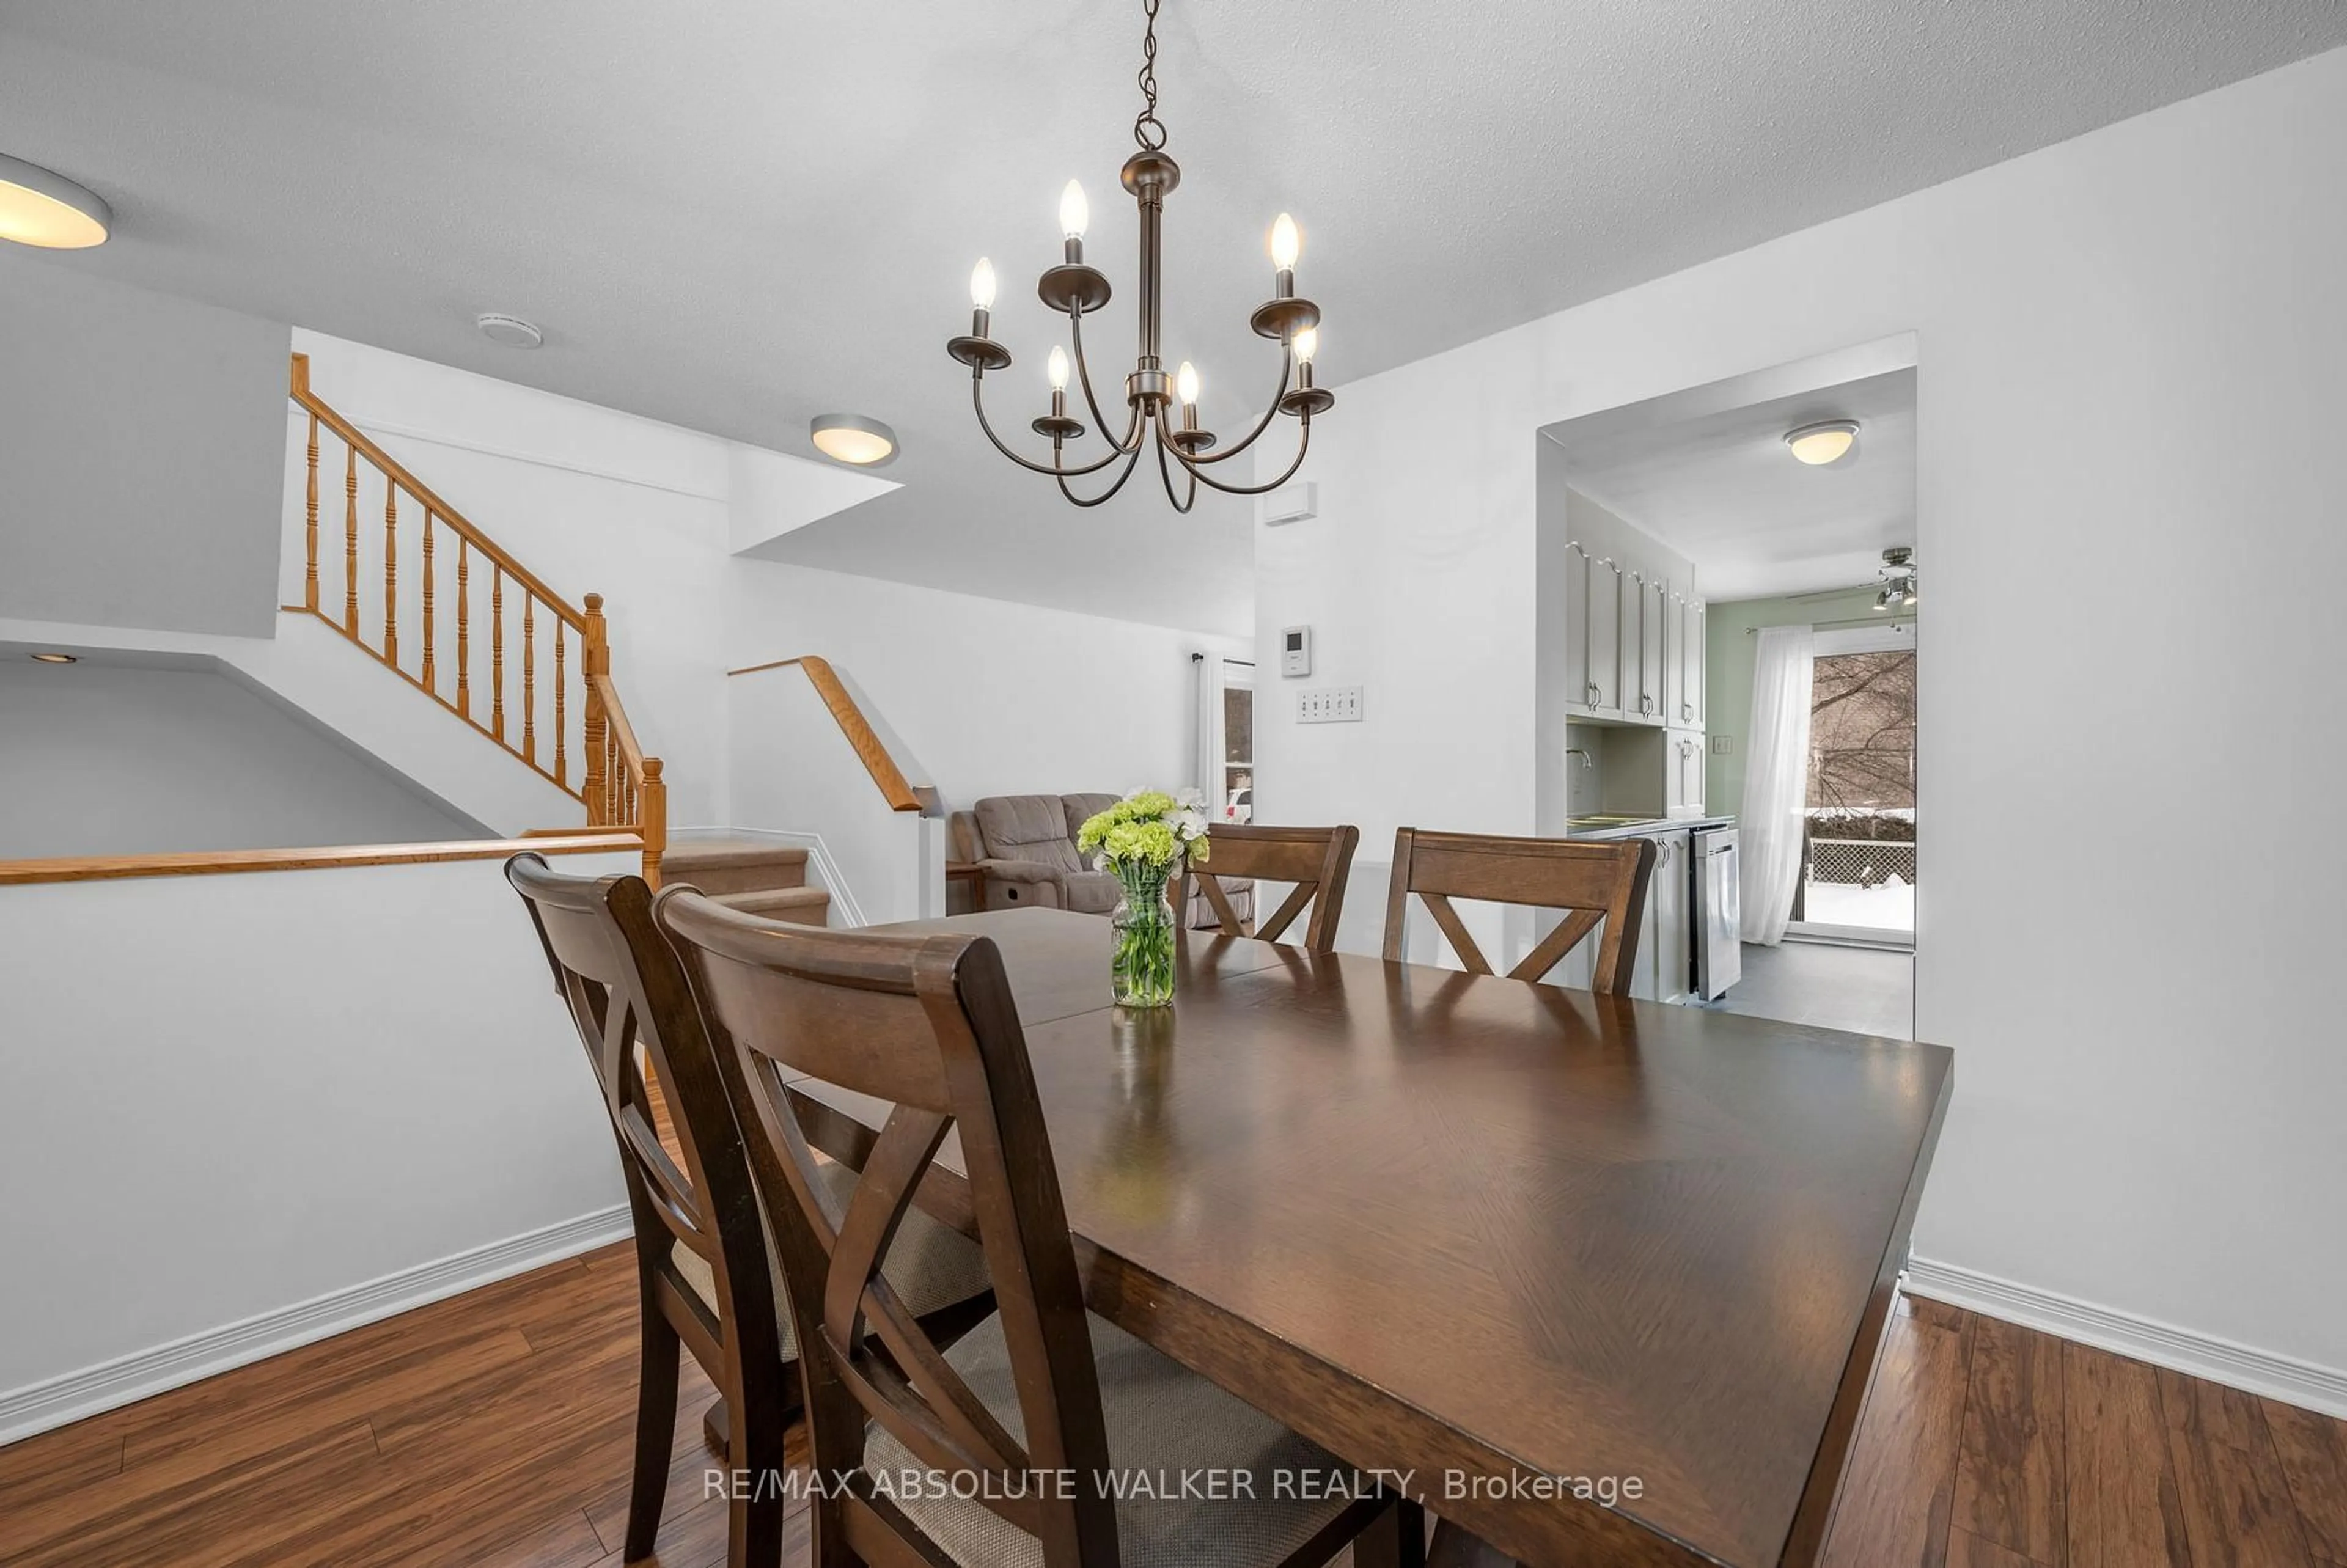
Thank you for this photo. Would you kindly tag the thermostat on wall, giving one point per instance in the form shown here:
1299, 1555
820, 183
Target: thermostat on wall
1296, 651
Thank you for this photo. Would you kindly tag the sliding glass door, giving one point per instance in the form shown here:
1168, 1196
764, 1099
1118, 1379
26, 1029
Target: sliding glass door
1859, 858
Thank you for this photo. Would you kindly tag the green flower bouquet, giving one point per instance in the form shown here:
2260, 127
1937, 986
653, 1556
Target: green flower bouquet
1146, 838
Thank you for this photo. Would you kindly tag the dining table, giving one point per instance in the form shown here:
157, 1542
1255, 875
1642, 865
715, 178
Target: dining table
1602, 1281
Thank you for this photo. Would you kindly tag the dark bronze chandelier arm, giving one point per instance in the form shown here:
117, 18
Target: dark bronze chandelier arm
1303, 445
1131, 461
1084, 375
1286, 368
1182, 503
977, 401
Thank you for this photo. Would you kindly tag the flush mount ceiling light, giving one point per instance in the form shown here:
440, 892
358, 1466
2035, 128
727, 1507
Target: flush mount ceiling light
852, 438
1898, 574
509, 331
1825, 442
39, 207
56, 659
1151, 392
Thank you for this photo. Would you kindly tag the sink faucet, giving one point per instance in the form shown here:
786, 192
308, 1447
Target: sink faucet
1576, 751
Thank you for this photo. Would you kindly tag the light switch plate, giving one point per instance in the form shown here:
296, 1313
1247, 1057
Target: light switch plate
1723, 745
1329, 705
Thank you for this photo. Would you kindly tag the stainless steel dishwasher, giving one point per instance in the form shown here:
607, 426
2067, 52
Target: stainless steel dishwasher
1718, 913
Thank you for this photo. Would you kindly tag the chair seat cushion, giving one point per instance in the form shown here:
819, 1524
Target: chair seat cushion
1163, 1420
932, 1265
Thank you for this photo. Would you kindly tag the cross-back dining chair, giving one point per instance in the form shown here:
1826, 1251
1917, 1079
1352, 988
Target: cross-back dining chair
1598, 884
926, 1024
706, 1277
1316, 859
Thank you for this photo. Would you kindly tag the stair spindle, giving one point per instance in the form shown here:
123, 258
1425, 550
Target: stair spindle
463, 632
560, 770
529, 677
390, 572
497, 649
594, 744
351, 541
309, 578
428, 685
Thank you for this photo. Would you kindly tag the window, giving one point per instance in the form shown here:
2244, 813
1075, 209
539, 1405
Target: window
1238, 803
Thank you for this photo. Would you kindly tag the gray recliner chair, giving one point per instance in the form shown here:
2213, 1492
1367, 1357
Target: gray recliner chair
1025, 849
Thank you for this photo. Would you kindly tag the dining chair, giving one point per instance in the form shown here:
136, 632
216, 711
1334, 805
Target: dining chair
1316, 859
1596, 883
706, 1273
926, 1451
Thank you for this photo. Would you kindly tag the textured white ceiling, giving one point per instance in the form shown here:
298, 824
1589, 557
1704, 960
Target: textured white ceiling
1725, 492
737, 214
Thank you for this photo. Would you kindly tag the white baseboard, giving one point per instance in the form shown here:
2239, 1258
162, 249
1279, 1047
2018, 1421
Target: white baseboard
39, 1408
845, 909
2283, 1378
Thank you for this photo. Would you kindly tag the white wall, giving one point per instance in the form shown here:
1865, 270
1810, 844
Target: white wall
993, 697
2130, 352
345, 689
125, 759
139, 447
262, 1105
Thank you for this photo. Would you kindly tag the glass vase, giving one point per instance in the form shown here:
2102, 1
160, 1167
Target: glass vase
1142, 972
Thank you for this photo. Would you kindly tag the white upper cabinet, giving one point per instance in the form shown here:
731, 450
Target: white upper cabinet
1633, 647
1608, 588
1685, 710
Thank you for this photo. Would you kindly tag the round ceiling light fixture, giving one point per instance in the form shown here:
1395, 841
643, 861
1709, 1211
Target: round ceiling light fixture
508, 332
1828, 441
56, 659
852, 438
41, 207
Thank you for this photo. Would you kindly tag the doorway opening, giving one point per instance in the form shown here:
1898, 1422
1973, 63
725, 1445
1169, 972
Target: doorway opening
1728, 655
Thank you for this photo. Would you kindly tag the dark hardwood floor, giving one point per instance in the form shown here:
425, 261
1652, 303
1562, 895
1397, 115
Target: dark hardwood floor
492, 1430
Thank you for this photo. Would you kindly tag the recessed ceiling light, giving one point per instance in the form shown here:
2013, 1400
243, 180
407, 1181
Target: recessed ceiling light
56, 659
1827, 442
512, 331
39, 207
852, 438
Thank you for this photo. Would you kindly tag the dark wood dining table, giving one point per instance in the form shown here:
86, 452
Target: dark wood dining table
1604, 1280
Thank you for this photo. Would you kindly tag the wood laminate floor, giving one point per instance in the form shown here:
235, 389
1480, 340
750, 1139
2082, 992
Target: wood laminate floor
492, 1430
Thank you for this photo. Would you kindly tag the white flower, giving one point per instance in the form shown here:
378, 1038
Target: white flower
1189, 822
1192, 797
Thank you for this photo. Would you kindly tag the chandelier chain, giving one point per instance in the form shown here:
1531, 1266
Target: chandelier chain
1148, 130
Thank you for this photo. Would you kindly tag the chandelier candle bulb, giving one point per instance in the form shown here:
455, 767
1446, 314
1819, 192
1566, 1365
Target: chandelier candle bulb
1057, 369
1075, 217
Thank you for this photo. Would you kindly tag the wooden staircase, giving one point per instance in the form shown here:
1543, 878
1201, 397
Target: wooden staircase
558, 712
756, 877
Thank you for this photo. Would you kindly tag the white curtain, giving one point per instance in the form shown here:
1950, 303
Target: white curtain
1776, 780
1209, 758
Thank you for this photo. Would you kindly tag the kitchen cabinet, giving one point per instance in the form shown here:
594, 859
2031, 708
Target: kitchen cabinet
1607, 584
1686, 705
1665, 956
1653, 611
1683, 761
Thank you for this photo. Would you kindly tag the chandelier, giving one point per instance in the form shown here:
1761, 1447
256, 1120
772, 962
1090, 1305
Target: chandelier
1163, 408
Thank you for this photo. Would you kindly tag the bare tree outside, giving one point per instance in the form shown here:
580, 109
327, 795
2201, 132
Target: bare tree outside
1863, 740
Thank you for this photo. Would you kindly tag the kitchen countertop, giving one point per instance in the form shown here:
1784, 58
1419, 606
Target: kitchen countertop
1651, 826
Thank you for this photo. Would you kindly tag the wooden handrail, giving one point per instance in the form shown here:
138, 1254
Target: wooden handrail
356, 439
620, 786
900, 795
215, 862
